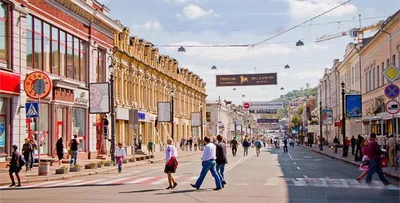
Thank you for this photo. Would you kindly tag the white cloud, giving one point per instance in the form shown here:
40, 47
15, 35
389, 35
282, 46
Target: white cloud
193, 12
231, 53
149, 25
310, 8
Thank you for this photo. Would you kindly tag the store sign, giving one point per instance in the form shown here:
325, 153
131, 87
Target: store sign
164, 111
327, 117
353, 106
338, 123
262, 105
63, 94
99, 101
37, 85
141, 116
12, 86
81, 97
247, 79
122, 113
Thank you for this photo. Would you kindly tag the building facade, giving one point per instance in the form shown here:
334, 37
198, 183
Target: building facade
143, 78
69, 41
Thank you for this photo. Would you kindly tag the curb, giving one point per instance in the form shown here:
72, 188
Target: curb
65, 177
390, 175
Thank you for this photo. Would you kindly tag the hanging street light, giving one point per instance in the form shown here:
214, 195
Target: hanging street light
287, 66
299, 43
214, 67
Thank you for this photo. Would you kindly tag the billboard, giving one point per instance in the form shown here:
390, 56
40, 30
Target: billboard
247, 79
164, 111
265, 111
353, 106
99, 101
196, 119
262, 105
327, 117
267, 120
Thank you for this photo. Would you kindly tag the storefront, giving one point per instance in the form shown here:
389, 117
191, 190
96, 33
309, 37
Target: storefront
7, 91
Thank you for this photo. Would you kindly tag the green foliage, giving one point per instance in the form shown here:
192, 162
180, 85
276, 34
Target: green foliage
296, 121
292, 95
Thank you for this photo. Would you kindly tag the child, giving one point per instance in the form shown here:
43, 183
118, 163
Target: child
120, 154
364, 166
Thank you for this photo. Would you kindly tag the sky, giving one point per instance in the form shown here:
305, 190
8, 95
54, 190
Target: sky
210, 22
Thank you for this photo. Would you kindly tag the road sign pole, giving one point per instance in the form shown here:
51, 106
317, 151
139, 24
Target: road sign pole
38, 135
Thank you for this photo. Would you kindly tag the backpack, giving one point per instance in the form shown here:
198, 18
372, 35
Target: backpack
21, 161
74, 145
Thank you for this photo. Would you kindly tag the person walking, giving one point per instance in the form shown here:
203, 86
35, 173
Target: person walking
335, 144
347, 145
171, 164
353, 144
27, 151
150, 147
358, 156
391, 149
221, 159
59, 150
195, 144
32, 155
190, 141
208, 164
364, 166
16, 164
258, 146
246, 144
120, 154
373, 152
73, 144
285, 148
234, 144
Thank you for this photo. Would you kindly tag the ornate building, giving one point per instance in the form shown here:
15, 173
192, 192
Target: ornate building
143, 77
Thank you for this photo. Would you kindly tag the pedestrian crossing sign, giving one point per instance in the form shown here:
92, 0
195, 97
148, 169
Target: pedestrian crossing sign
32, 109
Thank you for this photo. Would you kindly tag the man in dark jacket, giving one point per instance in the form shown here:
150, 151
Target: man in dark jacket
234, 145
221, 159
373, 152
353, 144
359, 155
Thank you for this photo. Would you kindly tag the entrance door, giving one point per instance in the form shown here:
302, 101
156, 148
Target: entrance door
60, 125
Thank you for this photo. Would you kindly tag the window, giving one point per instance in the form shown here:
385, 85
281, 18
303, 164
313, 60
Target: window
370, 82
55, 62
79, 126
366, 82
44, 127
387, 63
76, 59
394, 59
70, 65
4, 33
373, 79
101, 57
29, 41
46, 47
377, 76
37, 35
383, 69
63, 48
3, 124
352, 75
83, 48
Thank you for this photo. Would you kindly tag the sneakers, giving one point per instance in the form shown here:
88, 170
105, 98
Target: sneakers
194, 186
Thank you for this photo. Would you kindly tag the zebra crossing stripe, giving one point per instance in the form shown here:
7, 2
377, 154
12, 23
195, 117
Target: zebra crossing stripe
140, 180
41, 184
115, 181
152, 180
62, 183
88, 182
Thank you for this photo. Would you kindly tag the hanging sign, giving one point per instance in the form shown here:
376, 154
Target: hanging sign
37, 85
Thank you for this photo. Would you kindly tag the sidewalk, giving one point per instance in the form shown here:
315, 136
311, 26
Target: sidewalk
32, 176
389, 171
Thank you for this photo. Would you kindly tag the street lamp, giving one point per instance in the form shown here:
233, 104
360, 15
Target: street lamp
172, 114
343, 120
299, 43
201, 120
112, 148
320, 123
214, 67
287, 66
181, 49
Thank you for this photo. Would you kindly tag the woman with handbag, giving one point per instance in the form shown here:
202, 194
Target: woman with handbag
364, 166
59, 150
171, 163
374, 152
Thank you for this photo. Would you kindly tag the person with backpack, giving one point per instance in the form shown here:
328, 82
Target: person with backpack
74, 150
16, 164
27, 151
246, 144
258, 146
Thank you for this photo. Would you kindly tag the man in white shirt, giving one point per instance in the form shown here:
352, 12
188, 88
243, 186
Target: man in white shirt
208, 158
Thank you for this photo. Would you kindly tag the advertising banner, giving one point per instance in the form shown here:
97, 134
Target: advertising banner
267, 120
2, 134
99, 101
353, 106
164, 111
195, 119
327, 116
262, 105
265, 111
247, 79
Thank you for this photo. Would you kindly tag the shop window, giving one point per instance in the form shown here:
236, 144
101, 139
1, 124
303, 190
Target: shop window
29, 41
4, 33
76, 59
63, 48
3, 125
46, 47
55, 61
79, 126
70, 65
37, 35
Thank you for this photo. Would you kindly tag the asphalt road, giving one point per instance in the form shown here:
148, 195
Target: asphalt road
297, 176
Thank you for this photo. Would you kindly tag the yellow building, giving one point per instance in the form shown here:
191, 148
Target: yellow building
143, 77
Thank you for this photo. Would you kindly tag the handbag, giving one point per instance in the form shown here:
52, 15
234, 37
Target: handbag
384, 162
365, 163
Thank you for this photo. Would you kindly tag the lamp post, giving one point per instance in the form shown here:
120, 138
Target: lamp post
112, 147
320, 124
343, 120
172, 114
201, 120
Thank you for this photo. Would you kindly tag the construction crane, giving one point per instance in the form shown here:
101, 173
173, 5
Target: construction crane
353, 33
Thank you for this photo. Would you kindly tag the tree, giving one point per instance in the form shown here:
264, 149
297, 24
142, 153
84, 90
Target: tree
296, 121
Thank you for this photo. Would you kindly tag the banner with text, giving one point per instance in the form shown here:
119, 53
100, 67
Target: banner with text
261, 105
247, 79
267, 120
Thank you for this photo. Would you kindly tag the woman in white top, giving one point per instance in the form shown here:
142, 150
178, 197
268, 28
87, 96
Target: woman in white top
120, 154
171, 163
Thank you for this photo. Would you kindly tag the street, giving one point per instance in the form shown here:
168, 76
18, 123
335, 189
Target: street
298, 176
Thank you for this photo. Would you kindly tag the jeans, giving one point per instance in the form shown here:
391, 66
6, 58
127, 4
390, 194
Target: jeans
220, 170
353, 149
374, 166
32, 159
119, 161
208, 166
234, 150
285, 149
246, 151
74, 156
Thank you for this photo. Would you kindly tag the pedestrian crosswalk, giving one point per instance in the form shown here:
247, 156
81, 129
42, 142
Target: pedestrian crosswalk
162, 180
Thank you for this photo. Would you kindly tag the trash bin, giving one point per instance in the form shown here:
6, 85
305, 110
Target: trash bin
44, 168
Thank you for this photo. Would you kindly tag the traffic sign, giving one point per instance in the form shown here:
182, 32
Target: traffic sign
246, 105
391, 73
39, 86
392, 91
32, 109
393, 107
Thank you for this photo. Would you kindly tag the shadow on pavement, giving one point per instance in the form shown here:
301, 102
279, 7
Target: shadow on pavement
182, 191
142, 191
63, 186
